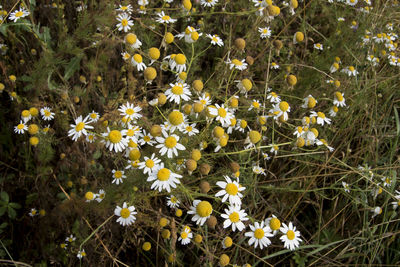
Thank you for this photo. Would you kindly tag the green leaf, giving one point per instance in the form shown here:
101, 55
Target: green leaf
97, 154
3, 29
11, 213
72, 67
15, 205
4, 196
396, 115
3, 225
2, 210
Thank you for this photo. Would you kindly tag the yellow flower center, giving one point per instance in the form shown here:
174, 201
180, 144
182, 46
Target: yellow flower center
170, 142
234, 217
243, 124
138, 58
177, 90
79, 127
231, 189
180, 59
20, 126
339, 96
163, 174
222, 112
118, 174
146, 138
275, 224
149, 163
124, 22
25, 113
290, 235
125, 213
166, 18
351, 68
175, 117
124, 8
237, 62
204, 209
184, 235
19, 14
89, 195
130, 132
174, 199
259, 233
283, 106
321, 115
115, 136
189, 128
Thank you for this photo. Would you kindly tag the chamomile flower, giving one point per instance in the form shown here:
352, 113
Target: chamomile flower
101, 195
46, 113
202, 211
149, 164
346, 187
215, 39
350, 71
234, 217
190, 129
80, 127
33, 212
264, 32
244, 86
273, 97
137, 61
208, 3
185, 236
205, 99
178, 62
125, 55
274, 66
222, 114
309, 102
94, 116
81, 254
190, 34
274, 149
333, 111
255, 104
169, 144
291, 237
70, 238
163, 178
127, 9
178, 92
230, 191
146, 138
258, 170
125, 22
259, 235
318, 46
173, 202
280, 109
20, 128
321, 118
17, 14
351, 2
274, 223
387, 181
26, 115
377, 211
130, 112
237, 64
132, 40
126, 214
163, 18
338, 99
118, 176
115, 140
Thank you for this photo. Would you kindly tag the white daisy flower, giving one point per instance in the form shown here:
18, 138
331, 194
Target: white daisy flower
185, 236
274, 223
259, 235
149, 164
215, 39
46, 113
258, 170
178, 92
222, 114
346, 187
20, 128
202, 211
333, 111
273, 97
137, 61
318, 46
234, 217
125, 55
309, 102
205, 100
162, 18
79, 128
115, 140
339, 100
94, 116
264, 32
81, 254
125, 22
146, 138
321, 118
169, 144
118, 176
190, 34
132, 132
130, 112
350, 71
70, 238
90, 137
127, 9
190, 129
163, 178
173, 202
33, 212
274, 66
17, 14
291, 237
351, 2
101, 195
208, 3
280, 109
230, 189
237, 64
126, 214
